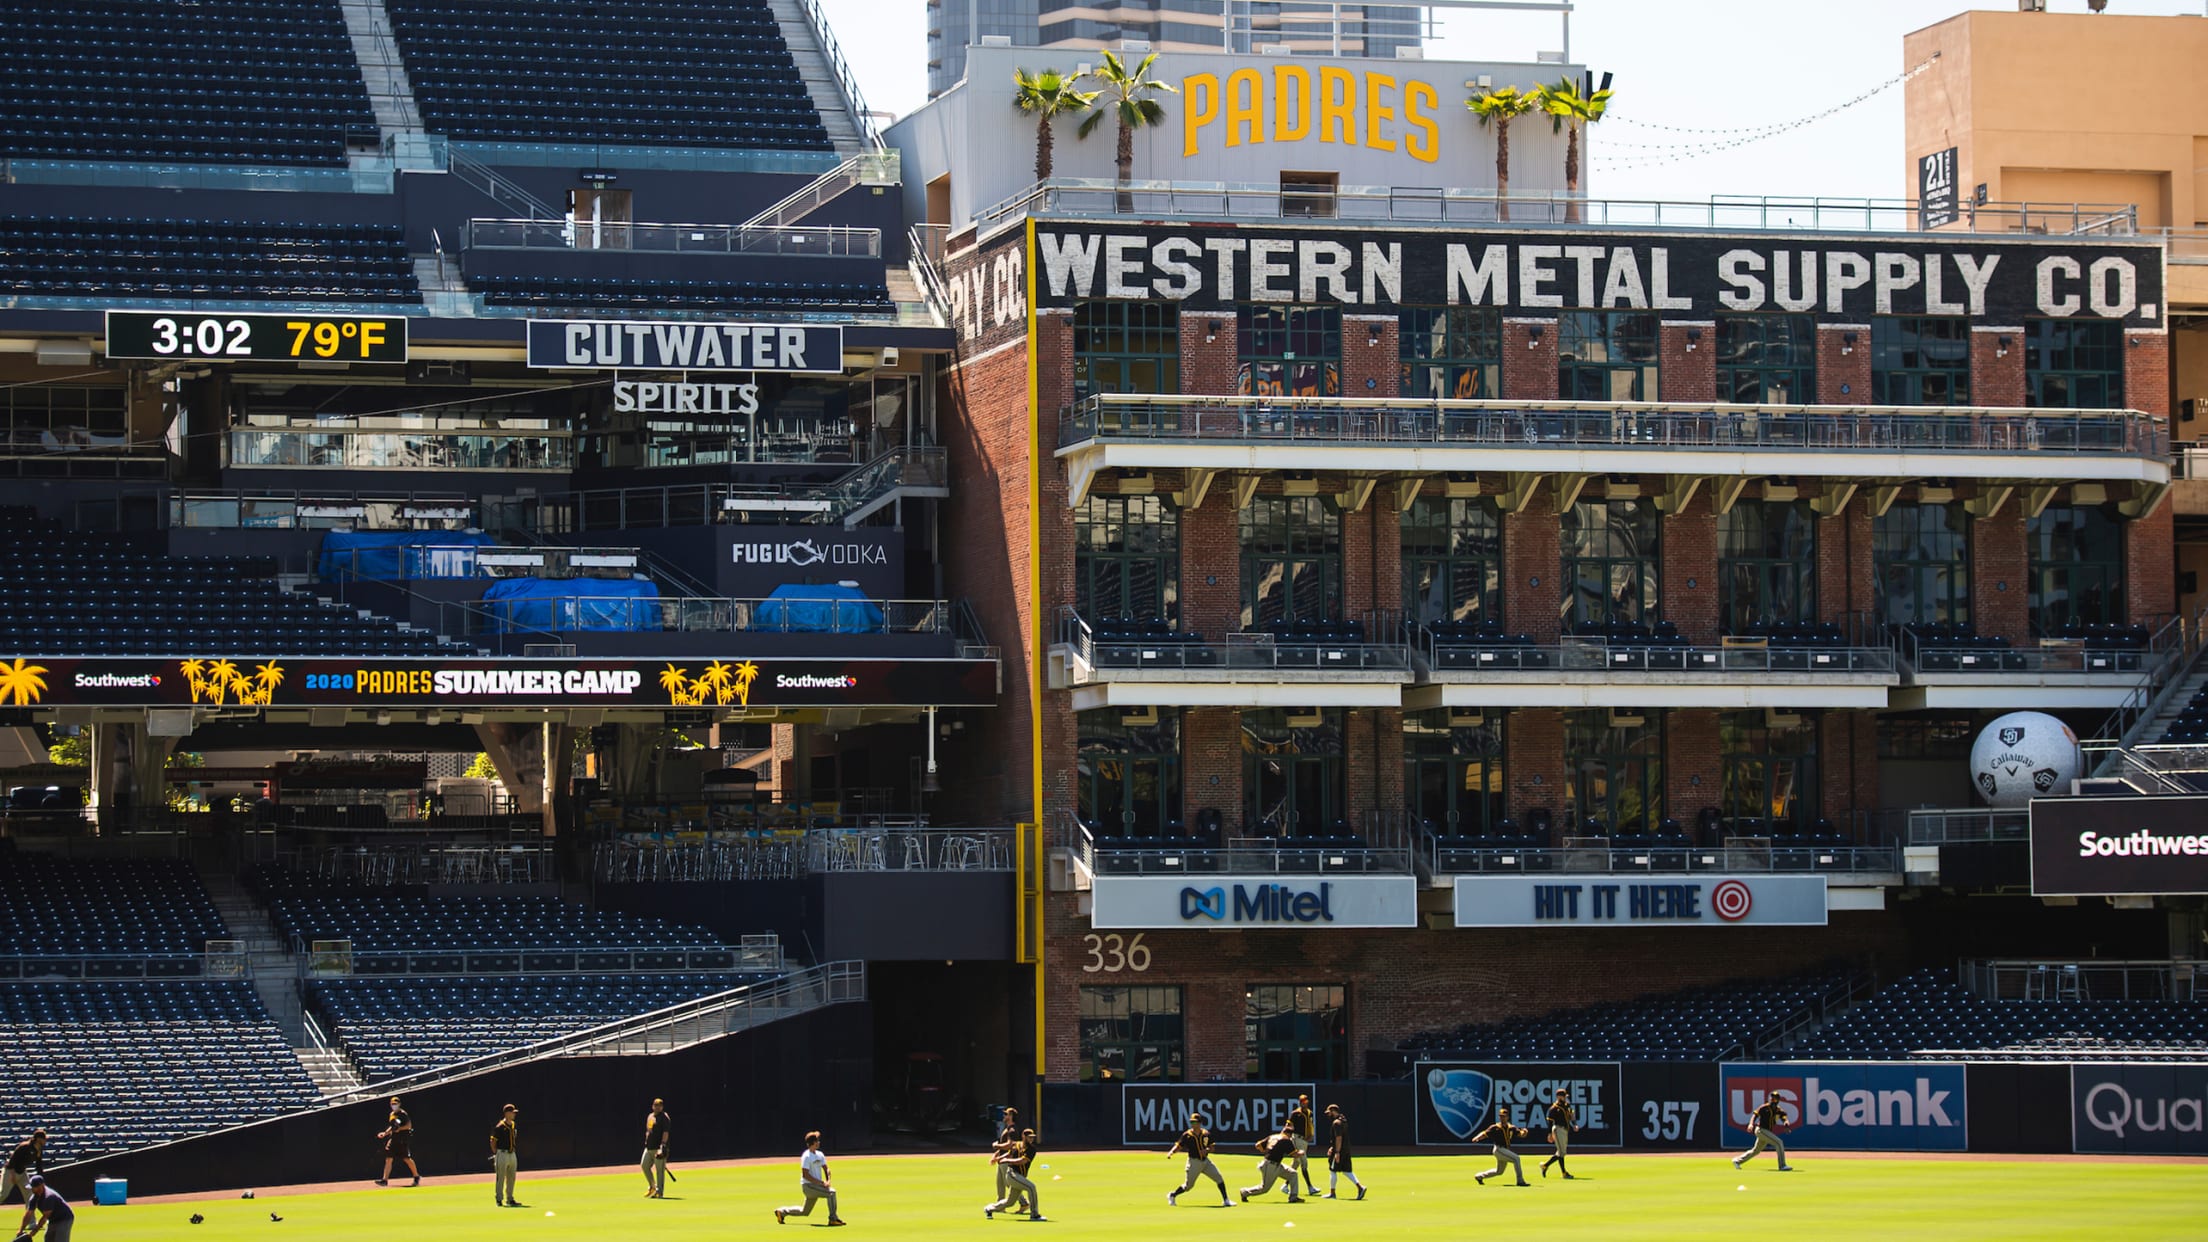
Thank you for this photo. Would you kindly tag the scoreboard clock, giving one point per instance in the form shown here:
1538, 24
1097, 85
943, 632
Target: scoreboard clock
168, 337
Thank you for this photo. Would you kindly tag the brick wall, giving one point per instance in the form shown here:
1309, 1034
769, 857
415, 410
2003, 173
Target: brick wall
1208, 366
1999, 590
2147, 372
1211, 565
1374, 763
1401, 982
1691, 763
1847, 764
1533, 762
1529, 365
1211, 763
2150, 555
1996, 378
1687, 370
1689, 554
1843, 372
1370, 368
1531, 565
1844, 561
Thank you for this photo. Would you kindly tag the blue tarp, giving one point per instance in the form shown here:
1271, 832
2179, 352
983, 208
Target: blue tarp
519, 605
819, 610
385, 556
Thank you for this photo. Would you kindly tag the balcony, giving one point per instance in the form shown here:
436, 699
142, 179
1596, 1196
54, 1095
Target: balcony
1532, 439
1383, 849
1649, 666
2081, 666
1126, 663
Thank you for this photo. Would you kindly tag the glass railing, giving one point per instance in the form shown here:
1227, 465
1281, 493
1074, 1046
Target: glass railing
673, 238
373, 450
1634, 424
639, 158
254, 510
705, 504
148, 176
832, 615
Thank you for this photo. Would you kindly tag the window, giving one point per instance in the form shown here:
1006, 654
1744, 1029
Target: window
1291, 560
1129, 772
1452, 561
1289, 351
1292, 777
1453, 770
1769, 774
1126, 347
1127, 558
1920, 561
1606, 356
1766, 359
1131, 1033
54, 418
1920, 361
1927, 737
1297, 1033
2076, 556
1609, 562
1767, 564
1454, 352
2074, 364
1309, 194
1614, 771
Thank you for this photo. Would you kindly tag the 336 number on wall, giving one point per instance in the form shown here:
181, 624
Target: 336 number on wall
1111, 953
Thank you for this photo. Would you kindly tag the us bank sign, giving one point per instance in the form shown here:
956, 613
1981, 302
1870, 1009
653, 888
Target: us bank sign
1247, 901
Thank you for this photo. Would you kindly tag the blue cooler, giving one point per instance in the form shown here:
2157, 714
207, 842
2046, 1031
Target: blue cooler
111, 1191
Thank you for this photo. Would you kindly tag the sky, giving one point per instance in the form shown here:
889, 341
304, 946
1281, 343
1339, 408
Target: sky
1690, 64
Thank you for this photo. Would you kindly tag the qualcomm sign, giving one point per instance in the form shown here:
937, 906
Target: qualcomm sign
2140, 1109
1892, 1106
1157, 902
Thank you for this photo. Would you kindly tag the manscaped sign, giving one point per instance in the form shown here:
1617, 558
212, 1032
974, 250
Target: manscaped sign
1238, 1114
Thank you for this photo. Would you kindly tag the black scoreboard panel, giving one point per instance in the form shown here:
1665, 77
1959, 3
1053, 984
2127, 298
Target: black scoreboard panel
169, 336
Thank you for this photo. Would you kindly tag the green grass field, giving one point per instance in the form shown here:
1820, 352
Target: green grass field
1121, 1195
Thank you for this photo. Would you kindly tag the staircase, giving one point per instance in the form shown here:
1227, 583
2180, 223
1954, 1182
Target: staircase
820, 63
276, 981
2173, 706
331, 1072
381, 68
443, 291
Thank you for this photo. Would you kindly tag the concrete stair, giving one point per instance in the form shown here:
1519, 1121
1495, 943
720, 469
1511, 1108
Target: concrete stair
443, 291
331, 1073
819, 74
2193, 680
376, 47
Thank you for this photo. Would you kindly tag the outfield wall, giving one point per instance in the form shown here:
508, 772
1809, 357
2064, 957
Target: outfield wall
1991, 1108
753, 1093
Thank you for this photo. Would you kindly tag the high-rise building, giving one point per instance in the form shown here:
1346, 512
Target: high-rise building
1316, 27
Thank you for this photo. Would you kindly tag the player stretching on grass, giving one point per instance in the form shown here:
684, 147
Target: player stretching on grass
1195, 1143
1769, 1117
1337, 1151
1008, 1133
813, 1170
1278, 1151
1562, 1117
1505, 1136
1015, 1160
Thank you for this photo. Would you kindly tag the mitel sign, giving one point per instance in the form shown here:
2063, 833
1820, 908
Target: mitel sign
1228, 901
1237, 1114
2100, 847
1456, 1099
1669, 901
2140, 1110
1864, 1106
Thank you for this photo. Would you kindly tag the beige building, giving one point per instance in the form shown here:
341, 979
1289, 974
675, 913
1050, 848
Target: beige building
2060, 109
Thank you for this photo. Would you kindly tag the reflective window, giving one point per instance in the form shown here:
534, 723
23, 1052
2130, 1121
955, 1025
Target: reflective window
1920, 559
2076, 556
1452, 560
1129, 773
1451, 352
1291, 560
1614, 771
1609, 562
2074, 364
1767, 564
1297, 1032
1126, 347
1923, 360
1766, 359
1606, 356
1292, 777
1127, 558
1453, 770
1131, 1033
1289, 351
1768, 778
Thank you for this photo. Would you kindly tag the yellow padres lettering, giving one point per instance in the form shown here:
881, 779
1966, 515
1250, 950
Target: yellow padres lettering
1331, 104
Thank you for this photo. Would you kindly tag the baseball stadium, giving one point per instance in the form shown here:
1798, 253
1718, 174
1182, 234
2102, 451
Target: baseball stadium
567, 588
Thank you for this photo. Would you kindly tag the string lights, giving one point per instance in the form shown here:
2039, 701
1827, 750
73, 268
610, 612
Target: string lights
1642, 155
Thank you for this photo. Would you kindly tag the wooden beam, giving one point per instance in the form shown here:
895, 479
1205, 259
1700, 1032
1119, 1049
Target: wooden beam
1728, 494
1568, 488
1195, 485
1883, 496
1518, 491
1679, 491
1245, 487
1406, 491
1833, 501
1359, 493
2145, 498
1990, 498
2038, 497
1080, 476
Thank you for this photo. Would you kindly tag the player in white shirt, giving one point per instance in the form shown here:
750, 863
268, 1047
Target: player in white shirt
813, 1169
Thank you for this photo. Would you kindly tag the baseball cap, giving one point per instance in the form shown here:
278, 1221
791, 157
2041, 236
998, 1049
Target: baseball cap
38, 1179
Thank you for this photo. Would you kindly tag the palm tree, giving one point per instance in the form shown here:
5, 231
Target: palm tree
1128, 97
676, 682
1571, 109
1049, 95
1500, 107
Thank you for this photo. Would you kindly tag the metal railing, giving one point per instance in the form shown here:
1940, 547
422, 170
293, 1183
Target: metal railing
429, 562
1384, 848
881, 166
846, 81
316, 962
2053, 655
1232, 654
2035, 980
1536, 208
1454, 658
42, 967
928, 243
662, 1030
704, 504
422, 864
243, 508
884, 843
908, 849
1606, 857
312, 448
1945, 826
569, 614
1626, 424
507, 193
688, 239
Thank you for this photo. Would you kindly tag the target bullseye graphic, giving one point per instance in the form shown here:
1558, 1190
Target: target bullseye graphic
1731, 900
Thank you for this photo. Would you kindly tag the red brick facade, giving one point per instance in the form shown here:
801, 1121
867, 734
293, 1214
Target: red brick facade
1844, 366
1531, 562
1687, 361
1529, 361
1688, 573
1999, 589
1997, 367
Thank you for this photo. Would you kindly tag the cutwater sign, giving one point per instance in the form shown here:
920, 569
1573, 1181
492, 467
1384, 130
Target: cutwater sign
603, 344
1890, 1106
1456, 1099
1254, 901
1670, 901
1154, 1114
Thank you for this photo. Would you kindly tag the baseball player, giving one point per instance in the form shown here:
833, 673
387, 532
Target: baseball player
1563, 1119
1505, 1136
1277, 1152
1015, 1160
1769, 1117
1195, 1143
1338, 1162
1300, 1122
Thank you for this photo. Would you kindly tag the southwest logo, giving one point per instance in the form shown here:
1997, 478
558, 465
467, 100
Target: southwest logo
1460, 1098
1260, 903
1210, 903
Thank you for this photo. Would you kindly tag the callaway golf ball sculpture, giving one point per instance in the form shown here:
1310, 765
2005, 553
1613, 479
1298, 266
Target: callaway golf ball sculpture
2021, 756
